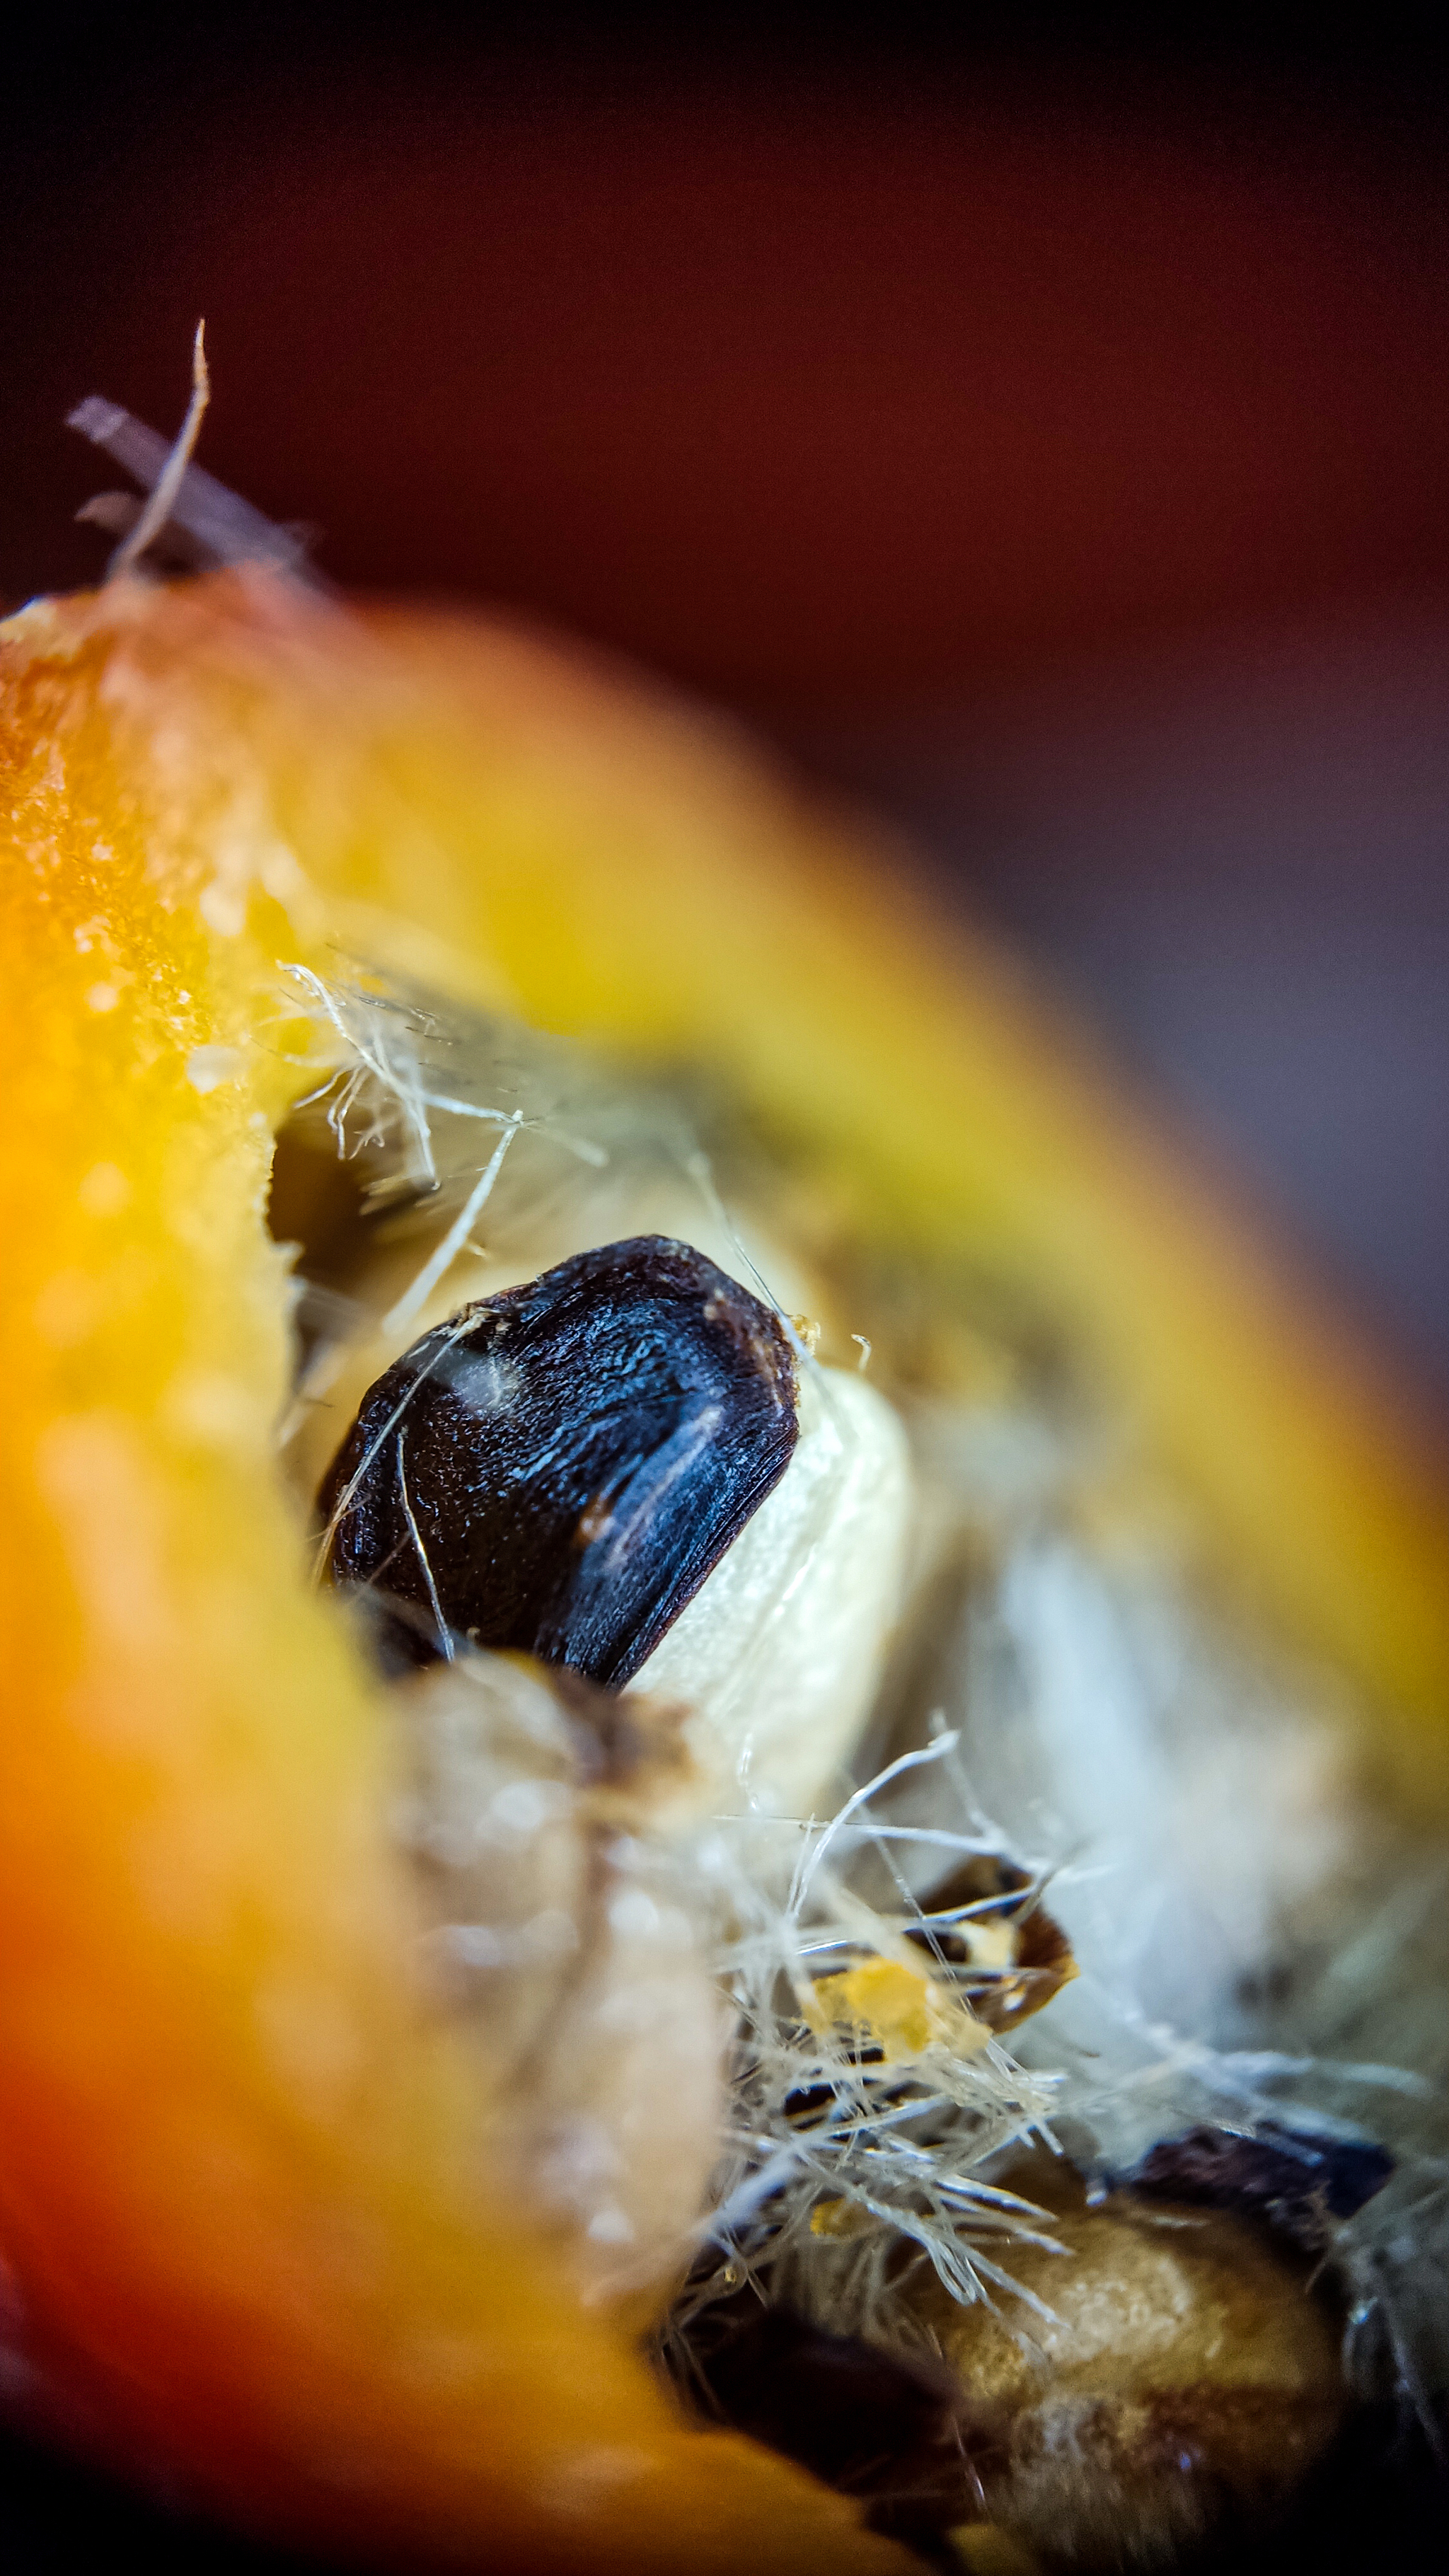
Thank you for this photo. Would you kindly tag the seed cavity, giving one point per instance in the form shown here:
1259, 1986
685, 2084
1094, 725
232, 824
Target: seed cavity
558, 1468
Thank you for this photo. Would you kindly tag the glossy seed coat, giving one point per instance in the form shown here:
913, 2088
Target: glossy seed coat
558, 1468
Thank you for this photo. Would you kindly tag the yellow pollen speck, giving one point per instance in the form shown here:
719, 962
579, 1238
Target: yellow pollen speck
888, 2006
839, 2218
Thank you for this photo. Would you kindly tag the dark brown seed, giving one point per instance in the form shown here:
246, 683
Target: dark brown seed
1300, 2184
558, 1468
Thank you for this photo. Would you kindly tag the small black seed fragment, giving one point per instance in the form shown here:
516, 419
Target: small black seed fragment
808, 2102
558, 1468
1300, 2184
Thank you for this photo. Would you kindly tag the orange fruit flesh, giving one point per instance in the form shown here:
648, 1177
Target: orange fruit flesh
243, 2188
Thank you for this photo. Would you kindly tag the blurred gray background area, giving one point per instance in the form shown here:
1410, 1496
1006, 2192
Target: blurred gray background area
1233, 852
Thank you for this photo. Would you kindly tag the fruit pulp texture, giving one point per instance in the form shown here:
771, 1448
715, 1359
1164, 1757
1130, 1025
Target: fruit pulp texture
243, 2189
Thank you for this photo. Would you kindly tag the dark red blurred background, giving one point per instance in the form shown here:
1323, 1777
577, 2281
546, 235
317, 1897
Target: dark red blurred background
823, 382
1046, 432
